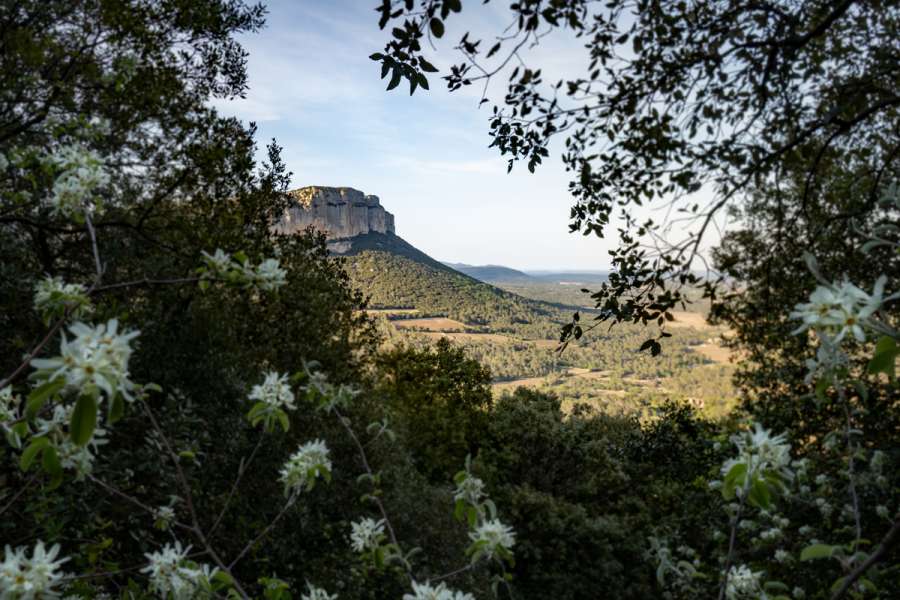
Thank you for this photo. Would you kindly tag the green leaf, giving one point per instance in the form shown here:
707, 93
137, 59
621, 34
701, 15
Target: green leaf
817, 551
40, 394
31, 452
50, 462
427, 67
760, 495
437, 27
116, 408
84, 420
395, 80
885, 357
283, 419
733, 478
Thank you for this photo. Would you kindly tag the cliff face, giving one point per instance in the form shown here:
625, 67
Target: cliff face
340, 212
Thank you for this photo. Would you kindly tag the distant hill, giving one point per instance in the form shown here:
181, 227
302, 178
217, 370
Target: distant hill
395, 274
493, 273
569, 277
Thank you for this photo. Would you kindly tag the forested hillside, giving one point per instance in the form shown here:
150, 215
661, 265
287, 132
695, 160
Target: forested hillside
393, 274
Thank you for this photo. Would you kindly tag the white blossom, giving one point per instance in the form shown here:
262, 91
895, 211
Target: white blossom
305, 466
743, 583
34, 578
165, 517
96, 359
840, 310
269, 275
219, 262
425, 591
79, 459
82, 172
469, 489
53, 296
9, 405
173, 576
317, 593
366, 534
782, 556
760, 451
275, 391
492, 538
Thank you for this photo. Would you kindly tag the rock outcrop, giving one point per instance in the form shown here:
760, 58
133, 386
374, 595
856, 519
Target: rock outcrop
341, 212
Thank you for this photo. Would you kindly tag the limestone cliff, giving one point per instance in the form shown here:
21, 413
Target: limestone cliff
341, 212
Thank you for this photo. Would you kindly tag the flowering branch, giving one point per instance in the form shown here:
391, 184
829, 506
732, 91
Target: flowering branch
344, 421
197, 530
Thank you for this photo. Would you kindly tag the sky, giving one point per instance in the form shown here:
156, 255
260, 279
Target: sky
313, 88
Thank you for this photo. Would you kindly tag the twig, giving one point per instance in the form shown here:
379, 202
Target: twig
134, 501
241, 470
197, 530
882, 549
290, 502
365, 463
18, 494
731, 541
453, 573
93, 234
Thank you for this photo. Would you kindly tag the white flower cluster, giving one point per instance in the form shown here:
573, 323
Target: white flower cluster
34, 578
73, 457
492, 539
82, 172
839, 310
829, 357
317, 593
743, 584
165, 517
173, 576
425, 591
267, 275
53, 297
96, 359
274, 391
469, 489
366, 534
304, 466
331, 396
759, 450
9, 412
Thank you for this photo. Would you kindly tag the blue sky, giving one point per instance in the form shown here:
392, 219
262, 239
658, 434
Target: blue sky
313, 88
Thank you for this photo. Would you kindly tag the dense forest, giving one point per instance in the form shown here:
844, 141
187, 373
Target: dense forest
193, 405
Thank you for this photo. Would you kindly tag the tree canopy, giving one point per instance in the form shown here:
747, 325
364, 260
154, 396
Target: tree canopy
677, 97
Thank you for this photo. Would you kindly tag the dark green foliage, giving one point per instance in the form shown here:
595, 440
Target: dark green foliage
441, 399
715, 94
586, 491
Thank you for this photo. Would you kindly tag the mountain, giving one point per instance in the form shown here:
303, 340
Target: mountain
493, 273
342, 212
395, 274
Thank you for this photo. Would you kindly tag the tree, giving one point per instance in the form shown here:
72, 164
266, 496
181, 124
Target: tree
677, 97
441, 399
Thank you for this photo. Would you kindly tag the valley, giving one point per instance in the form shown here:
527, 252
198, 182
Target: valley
511, 325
